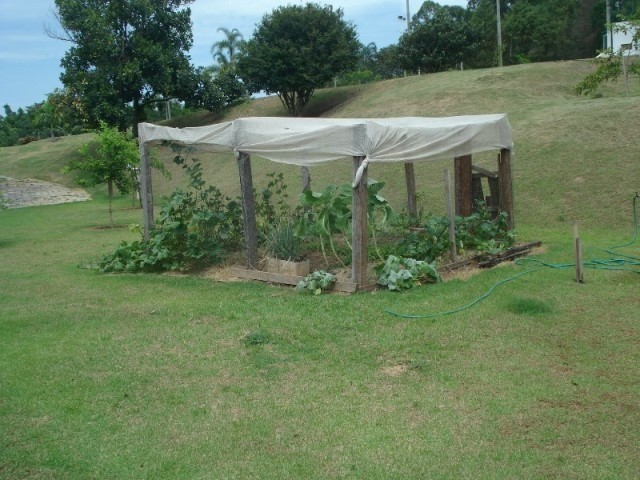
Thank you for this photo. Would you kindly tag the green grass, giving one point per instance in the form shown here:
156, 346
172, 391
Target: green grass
177, 376
172, 376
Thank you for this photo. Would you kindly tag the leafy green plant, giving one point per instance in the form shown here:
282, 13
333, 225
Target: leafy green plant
428, 242
481, 232
326, 213
478, 231
194, 226
400, 273
272, 203
316, 282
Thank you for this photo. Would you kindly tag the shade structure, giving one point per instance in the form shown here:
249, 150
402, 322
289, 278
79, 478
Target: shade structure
309, 141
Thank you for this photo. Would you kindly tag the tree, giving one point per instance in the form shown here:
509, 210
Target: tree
539, 30
439, 38
483, 21
224, 51
126, 53
296, 49
388, 62
223, 74
112, 159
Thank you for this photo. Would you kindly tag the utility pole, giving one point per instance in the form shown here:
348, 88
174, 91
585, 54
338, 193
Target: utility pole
409, 16
499, 28
609, 26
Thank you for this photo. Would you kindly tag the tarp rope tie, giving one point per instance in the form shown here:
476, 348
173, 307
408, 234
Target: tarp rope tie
596, 264
359, 173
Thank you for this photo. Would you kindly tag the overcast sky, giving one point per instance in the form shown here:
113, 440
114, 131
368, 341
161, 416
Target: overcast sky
30, 61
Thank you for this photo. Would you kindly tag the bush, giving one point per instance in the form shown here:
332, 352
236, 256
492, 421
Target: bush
194, 228
476, 232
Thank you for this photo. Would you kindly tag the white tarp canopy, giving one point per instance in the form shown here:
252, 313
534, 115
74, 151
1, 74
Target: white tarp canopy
309, 141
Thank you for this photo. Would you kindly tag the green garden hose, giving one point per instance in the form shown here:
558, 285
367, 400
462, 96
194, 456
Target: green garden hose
626, 263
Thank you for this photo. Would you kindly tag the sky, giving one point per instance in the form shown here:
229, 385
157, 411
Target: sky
30, 60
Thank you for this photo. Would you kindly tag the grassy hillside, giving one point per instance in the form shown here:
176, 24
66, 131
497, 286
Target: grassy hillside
573, 159
43, 159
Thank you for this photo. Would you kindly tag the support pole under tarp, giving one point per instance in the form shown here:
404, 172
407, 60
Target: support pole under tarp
505, 179
410, 177
146, 191
462, 178
359, 227
248, 209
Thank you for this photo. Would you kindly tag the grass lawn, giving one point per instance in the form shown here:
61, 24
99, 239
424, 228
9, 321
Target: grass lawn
171, 376
181, 376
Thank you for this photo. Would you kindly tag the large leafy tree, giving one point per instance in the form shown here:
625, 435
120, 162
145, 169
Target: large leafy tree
296, 49
388, 63
126, 52
539, 30
439, 38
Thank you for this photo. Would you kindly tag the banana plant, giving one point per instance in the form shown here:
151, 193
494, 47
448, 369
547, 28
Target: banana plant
326, 213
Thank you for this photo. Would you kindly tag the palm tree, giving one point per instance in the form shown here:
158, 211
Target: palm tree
224, 51
368, 56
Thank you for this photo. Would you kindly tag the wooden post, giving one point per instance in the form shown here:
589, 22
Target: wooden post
506, 185
305, 178
578, 247
410, 177
451, 215
462, 179
359, 227
249, 209
146, 191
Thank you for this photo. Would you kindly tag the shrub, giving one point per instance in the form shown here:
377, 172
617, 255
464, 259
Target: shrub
194, 227
476, 232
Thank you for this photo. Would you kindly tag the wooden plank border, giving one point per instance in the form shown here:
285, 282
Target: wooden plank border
279, 278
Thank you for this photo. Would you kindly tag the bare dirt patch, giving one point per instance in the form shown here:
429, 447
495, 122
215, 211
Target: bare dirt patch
28, 192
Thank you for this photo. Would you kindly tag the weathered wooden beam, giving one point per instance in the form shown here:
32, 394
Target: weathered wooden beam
146, 190
410, 177
359, 227
484, 171
506, 185
249, 274
477, 192
248, 209
451, 215
462, 179
493, 201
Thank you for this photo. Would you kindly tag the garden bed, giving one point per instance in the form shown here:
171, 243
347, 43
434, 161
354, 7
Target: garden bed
344, 284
